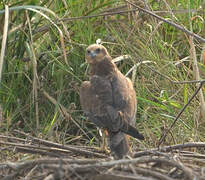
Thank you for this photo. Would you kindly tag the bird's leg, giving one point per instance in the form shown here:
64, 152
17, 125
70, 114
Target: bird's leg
103, 144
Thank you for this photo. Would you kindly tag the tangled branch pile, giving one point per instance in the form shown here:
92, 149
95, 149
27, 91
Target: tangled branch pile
56, 161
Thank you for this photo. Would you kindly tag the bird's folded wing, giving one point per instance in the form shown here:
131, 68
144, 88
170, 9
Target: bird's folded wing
97, 100
95, 97
113, 118
93, 107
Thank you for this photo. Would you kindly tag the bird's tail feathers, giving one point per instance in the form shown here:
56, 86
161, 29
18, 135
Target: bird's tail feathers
132, 131
118, 122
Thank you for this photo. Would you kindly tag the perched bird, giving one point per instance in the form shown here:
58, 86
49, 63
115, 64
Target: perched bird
109, 100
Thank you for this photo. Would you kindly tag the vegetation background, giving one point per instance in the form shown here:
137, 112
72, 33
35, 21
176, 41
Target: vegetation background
44, 66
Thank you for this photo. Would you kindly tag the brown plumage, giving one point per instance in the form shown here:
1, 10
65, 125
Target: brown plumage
109, 99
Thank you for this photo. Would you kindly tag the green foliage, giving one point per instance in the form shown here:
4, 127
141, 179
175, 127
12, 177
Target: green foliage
142, 37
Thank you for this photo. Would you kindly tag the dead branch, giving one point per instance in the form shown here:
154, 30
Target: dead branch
172, 81
183, 29
182, 146
179, 114
54, 147
153, 173
60, 146
151, 164
82, 168
24, 164
62, 110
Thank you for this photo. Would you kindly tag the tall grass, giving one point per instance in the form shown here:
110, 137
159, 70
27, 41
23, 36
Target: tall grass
56, 102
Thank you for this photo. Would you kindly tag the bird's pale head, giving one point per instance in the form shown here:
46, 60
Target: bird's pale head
95, 53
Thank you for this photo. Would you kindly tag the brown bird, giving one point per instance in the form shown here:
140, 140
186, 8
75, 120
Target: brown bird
109, 100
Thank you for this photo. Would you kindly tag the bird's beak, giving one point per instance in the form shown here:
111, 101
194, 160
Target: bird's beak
93, 54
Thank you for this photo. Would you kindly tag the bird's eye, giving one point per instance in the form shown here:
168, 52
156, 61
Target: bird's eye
88, 51
97, 50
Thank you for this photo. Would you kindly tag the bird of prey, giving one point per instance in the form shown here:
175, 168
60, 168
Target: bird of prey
109, 100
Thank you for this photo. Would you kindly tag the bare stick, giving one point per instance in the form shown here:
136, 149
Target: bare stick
182, 146
152, 173
46, 27
179, 114
22, 165
10, 138
60, 146
172, 81
183, 29
63, 110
